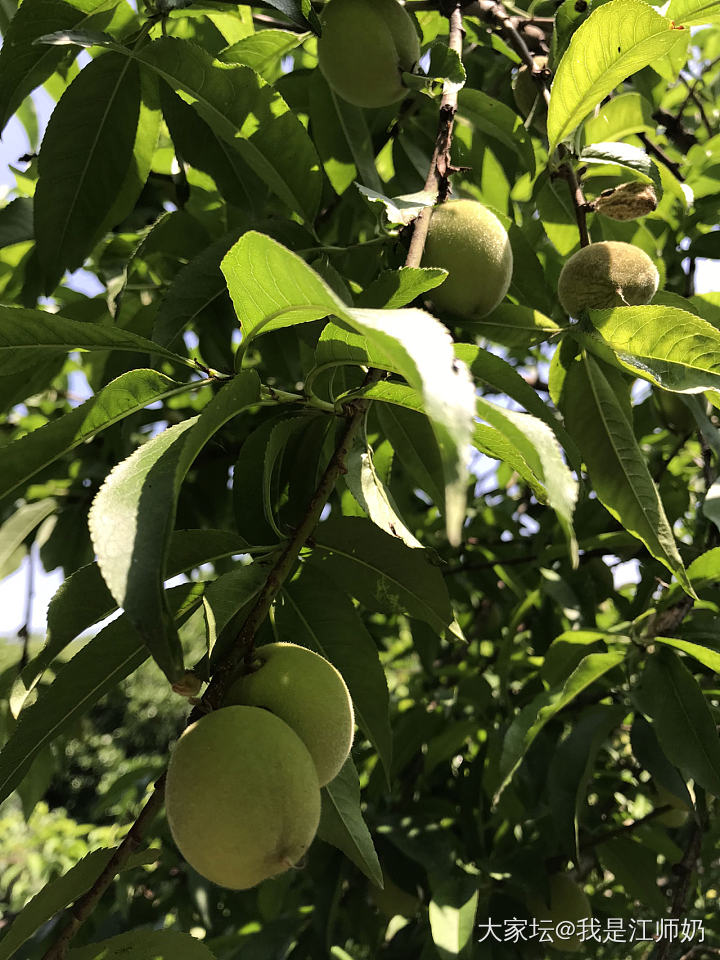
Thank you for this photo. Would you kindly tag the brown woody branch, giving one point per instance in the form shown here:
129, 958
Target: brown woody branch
684, 871
580, 205
438, 178
601, 838
660, 155
440, 169
84, 906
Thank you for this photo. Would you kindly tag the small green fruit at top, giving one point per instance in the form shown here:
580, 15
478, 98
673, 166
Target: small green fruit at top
677, 816
242, 796
607, 274
468, 240
567, 902
365, 47
527, 93
309, 694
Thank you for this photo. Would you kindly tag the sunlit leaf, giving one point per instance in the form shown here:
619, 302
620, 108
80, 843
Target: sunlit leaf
617, 40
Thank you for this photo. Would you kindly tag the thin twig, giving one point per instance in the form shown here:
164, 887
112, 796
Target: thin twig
692, 95
440, 169
675, 130
493, 12
83, 907
684, 871
699, 950
577, 196
660, 155
440, 166
593, 842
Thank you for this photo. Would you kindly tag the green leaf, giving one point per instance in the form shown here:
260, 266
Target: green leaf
263, 51
129, 393
278, 440
397, 288
705, 655
147, 133
23, 63
417, 345
515, 326
372, 494
317, 615
666, 346
37, 330
532, 718
400, 210
381, 572
501, 377
669, 695
113, 654
452, 913
572, 768
620, 117
528, 444
617, 40
132, 515
248, 477
16, 221
109, 657
130, 523
414, 443
21, 524
246, 112
635, 867
537, 444
202, 147
84, 599
299, 12
62, 891
499, 121
342, 136
648, 752
596, 405
83, 163
342, 824
15, 387
226, 596
711, 504
145, 945
445, 64
624, 155
694, 12
195, 288
339, 346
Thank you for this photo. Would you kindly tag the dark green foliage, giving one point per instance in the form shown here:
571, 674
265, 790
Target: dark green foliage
167, 417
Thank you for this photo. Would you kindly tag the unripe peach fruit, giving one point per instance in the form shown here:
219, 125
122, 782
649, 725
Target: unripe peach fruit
365, 47
242, 796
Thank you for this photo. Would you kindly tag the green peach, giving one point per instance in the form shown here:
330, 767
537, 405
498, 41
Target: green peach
309, 694
607, 274
365, 47
468, 240
242, 796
